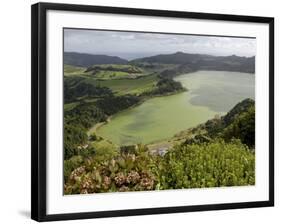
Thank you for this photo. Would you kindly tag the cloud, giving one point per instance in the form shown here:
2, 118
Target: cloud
137, 43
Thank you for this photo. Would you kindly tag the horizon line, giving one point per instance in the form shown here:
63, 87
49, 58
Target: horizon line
152, 55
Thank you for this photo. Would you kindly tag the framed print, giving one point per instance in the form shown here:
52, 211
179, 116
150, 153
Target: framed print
139, 111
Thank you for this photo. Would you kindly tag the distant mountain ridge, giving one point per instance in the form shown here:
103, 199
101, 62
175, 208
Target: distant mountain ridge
185, 61
86, 60
203, 61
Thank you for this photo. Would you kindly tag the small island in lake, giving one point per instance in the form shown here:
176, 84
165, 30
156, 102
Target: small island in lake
137, 121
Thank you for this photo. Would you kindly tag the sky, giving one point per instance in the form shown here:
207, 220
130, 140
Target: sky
131, 45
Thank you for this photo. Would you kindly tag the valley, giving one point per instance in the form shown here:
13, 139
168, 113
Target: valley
143, 112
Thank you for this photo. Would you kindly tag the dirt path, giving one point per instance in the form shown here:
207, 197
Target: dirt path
97, 126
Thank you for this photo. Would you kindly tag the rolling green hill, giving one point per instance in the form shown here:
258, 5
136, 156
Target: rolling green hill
114, 71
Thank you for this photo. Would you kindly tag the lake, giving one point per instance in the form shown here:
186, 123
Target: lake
209, 93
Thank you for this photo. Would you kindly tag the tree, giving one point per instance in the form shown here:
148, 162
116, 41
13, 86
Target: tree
243, 127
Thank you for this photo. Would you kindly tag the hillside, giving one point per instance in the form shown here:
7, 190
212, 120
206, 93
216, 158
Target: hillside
200, 161
178, 62
238, 123
194, 62
114, 71
86, 60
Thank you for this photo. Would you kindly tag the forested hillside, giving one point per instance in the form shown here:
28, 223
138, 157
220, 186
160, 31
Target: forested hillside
195, 62
86, 60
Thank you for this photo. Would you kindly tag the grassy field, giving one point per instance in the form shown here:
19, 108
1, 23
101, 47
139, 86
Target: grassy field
73, 70
106, 72
103, 147
112, 71
155, 67
116, 67
107, 75
70, 106
127, 86
121, 79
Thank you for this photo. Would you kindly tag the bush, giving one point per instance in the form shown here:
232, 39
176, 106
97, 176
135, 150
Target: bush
112, 105
93, 137
208, 165
243, 127
70, 164
76, 87
125, 172
74, 136
213, 164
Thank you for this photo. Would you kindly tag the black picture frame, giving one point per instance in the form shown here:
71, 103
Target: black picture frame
38, 108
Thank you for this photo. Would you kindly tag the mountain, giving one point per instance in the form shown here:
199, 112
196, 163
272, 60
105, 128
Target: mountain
86, 60
195, 62
185, 62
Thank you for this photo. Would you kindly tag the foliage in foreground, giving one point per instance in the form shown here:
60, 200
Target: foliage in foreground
125, 172
208, 165
214, 164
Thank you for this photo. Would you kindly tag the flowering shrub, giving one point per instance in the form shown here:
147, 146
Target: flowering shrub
213, 164
125, 172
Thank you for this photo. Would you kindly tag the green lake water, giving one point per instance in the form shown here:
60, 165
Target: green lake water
210, 93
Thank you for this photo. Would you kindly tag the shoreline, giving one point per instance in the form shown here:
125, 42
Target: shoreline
94, 128
156, 144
